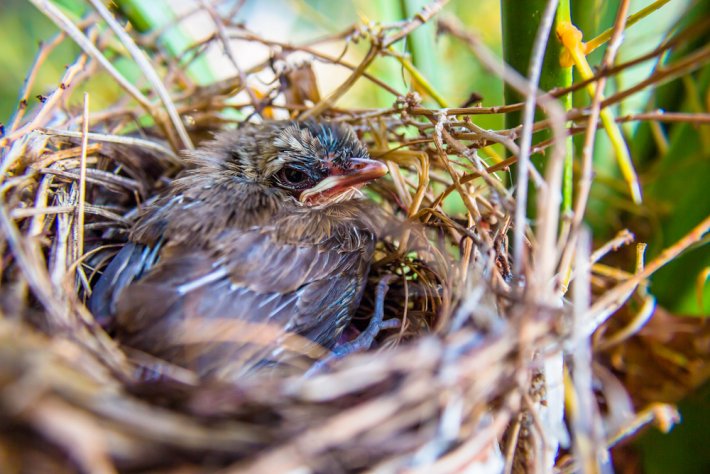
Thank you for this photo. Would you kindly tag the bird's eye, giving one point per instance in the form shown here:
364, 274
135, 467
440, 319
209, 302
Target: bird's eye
294, 178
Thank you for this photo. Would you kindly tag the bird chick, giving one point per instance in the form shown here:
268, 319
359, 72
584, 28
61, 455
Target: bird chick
259, 251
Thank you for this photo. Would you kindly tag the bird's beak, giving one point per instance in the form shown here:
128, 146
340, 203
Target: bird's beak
361, 171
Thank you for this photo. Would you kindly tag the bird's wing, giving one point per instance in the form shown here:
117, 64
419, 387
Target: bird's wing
126, 266
253, 287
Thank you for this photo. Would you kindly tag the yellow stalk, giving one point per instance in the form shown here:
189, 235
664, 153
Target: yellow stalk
635, 18
571, 39
419, 80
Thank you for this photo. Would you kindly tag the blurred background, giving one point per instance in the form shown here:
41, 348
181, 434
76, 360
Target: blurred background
445, 64
673, 160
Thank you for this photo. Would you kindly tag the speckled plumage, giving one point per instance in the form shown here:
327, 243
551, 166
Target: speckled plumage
229, 245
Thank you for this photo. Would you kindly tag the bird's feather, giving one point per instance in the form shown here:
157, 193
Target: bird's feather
250, 281
125, 267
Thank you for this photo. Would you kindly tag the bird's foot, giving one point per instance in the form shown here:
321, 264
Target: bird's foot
367, 337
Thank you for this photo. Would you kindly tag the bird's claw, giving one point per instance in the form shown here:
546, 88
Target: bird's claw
367, 337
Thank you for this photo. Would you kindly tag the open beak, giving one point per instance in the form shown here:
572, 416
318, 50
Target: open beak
362, 171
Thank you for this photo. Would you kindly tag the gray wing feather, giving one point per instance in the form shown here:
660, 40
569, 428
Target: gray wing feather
252, 284
127, 266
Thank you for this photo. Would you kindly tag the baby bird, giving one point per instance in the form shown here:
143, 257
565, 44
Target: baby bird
259, 251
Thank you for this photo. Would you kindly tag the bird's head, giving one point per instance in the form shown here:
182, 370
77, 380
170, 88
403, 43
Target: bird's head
314, 162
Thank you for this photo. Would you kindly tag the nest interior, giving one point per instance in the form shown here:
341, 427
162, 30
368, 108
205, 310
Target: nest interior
495, 362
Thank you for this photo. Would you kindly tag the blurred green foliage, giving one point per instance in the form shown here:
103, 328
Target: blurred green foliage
22, 27
447, 65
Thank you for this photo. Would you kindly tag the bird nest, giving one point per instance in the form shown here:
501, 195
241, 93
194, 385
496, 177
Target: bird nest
491, 344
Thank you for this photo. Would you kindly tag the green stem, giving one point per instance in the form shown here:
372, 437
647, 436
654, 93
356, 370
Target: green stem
564, 14
157, 14
520, 21
421, 45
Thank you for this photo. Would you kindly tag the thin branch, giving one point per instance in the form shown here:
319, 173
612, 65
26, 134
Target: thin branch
148, 70
66, 25
585, 180
44, 114
44, 50
82, 179
333, 97
229, 51
124, 140
426, 14
614, 298
531, 87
